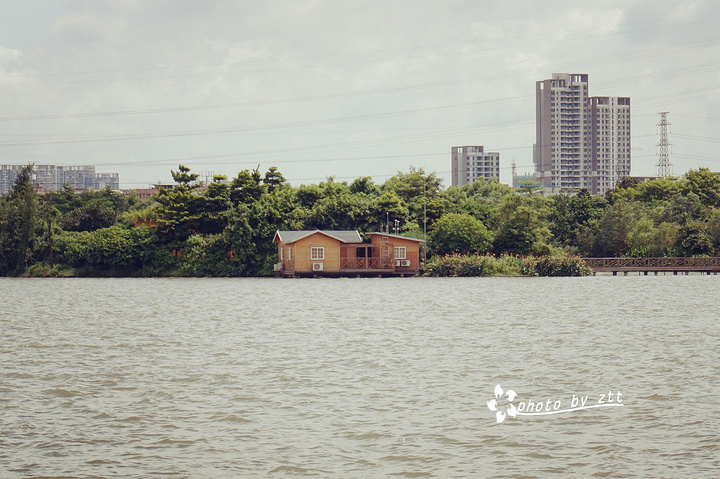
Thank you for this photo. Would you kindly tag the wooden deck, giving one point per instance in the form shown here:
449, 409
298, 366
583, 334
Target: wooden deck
359, 267
708, 265
352, 273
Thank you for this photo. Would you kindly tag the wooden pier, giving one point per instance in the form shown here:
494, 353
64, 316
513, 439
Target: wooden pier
707, 265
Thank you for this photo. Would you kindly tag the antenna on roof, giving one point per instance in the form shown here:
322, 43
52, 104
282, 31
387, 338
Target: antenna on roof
424, 221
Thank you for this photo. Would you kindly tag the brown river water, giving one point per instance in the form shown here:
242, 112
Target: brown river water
230, 378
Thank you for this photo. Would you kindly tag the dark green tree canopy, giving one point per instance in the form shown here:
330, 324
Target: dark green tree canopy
459, 233
226, 227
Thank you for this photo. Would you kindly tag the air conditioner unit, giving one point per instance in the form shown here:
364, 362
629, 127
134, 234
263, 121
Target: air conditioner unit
278, 266
397, 262
405, 262
317, 267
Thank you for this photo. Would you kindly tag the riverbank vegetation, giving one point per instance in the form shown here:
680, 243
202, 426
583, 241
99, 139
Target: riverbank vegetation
506, 265
225, 228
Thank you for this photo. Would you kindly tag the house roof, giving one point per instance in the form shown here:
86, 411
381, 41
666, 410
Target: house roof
400, 237
343, 236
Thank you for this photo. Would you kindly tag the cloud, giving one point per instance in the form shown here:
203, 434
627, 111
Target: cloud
324, 88
88, 27
8, 58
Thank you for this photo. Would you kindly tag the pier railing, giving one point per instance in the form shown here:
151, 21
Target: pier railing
654, 264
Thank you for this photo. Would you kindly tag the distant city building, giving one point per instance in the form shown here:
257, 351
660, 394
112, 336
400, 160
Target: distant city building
144, 194
107, 180
54, 177
79, 176
471, 162
581, 141
524, 180
8, 173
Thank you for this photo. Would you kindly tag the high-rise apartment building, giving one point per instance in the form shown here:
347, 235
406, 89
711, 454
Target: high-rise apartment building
471, 162
581, 141
611, 141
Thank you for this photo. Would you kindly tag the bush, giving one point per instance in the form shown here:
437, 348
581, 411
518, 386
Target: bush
560, 266
207, 256
506, 265
472, 265
114, 249
38, 270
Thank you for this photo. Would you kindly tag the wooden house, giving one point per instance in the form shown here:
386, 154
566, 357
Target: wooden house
343, 253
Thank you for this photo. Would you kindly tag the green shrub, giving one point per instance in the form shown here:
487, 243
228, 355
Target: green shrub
561, 266
505, 265
38, 270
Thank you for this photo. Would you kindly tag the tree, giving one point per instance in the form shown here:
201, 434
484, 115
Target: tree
364, 185
522, 225
49, 215
308, 195
705, 184
18, 225
627, 182
571, 213
387, 208
529, 187
459, 233
8, 223
64, 200
660, 189
713, 229
416, 189
247, 186
682, 208
214, 206
414, 184
179, 208
482, 188
91, 217
183, 177
273, 179
615, 227
695, 240
665, 241
251, 227
337, 208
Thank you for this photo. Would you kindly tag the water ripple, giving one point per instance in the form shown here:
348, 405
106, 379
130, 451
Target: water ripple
357, 378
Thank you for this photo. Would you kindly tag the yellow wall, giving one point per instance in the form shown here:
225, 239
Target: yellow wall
412, 251
301, 261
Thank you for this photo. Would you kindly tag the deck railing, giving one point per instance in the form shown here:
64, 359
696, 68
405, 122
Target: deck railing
366, 263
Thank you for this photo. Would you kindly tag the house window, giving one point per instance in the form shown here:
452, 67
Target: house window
317, 252
400, 252
282, 253
289, 253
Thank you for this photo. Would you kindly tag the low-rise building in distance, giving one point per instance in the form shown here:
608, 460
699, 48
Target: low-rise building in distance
55, 177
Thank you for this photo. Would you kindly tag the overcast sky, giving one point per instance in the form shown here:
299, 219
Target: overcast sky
324, 88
